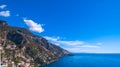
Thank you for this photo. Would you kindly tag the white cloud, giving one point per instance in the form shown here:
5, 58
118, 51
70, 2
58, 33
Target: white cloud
73, 43
52, 38
73, 46
33, 26
99, 43
3, 6
63, 42
90, 46
5, 13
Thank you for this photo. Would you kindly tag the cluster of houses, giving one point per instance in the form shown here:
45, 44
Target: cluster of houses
5, 62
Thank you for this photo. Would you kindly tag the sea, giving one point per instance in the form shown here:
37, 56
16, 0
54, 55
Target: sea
87, 60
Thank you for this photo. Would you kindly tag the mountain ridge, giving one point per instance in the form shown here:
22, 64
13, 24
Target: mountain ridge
22, 48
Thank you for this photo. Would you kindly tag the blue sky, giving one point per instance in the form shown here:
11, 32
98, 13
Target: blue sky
76, 25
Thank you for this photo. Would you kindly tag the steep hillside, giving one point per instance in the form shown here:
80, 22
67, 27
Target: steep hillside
22, 48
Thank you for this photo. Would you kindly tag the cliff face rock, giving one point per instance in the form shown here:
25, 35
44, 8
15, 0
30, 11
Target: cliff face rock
21, 47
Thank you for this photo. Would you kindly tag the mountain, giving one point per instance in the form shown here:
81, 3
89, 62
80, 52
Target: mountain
24, 49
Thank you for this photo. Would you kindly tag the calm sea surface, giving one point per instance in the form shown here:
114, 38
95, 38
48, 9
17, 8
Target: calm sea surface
88, 60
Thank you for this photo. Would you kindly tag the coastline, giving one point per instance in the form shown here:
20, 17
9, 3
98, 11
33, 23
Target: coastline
87, 60
71, 54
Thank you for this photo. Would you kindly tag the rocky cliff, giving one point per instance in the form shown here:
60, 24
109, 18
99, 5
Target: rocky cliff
24, 49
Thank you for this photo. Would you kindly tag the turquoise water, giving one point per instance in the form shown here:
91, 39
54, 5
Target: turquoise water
88, 60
